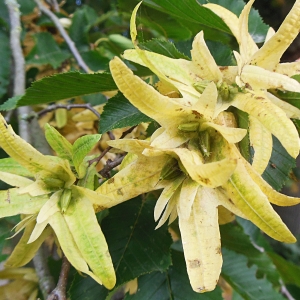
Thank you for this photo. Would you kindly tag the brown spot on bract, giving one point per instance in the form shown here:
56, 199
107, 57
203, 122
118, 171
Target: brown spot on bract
194, 263
260, 98
223, 68
119, 192
179, 109
197, 114
230, 201
218, 250
248, 86
112, 180
8, 197
273, 166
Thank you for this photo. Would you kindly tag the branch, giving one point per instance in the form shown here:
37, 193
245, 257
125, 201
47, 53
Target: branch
54, 4
110, 164
46, 282
68, 107
64, 34
112, 137
59, 293
19, 65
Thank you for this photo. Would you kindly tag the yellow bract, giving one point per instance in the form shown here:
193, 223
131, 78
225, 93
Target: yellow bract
54, 199
205, 179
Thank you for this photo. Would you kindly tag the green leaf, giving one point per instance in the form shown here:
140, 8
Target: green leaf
257, 28
180, 284
221, 53
243, 122
135, 247
288, 271
119, 113
279, 167
153, 286
243, 279
95, 60
162, 47
82, 147
290, 97
82, 21
173, 284
50, 89
5, 63
163, 23
46, 51
189, 10
26, 7
5, 232
134, 242
234, 238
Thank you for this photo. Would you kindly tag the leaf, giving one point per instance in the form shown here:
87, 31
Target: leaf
152, 286
257, 28
82, 147
119, 113
222, 54
290, 97
288, 271
5, 231
243, 279
279, 167
180, 283
49, 89
82, 20
164, 24
46, 51
5, 63
189, 10
162, 47
234, 238
243, 122
135, 247
138, 244
173, 284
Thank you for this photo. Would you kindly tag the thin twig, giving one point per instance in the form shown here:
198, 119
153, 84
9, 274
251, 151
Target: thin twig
54, 4
68, 107
110, 164
97, 159
286, 293
64, 34
59, 293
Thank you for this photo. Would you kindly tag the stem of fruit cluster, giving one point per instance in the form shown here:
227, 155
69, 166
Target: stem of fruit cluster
59, 293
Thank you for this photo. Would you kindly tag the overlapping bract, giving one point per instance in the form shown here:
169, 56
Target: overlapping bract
208, 176
45, 194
